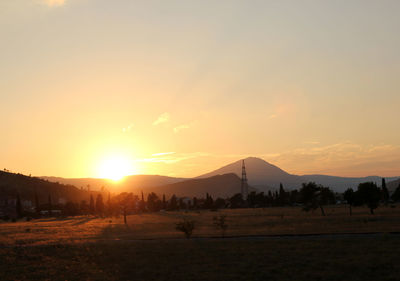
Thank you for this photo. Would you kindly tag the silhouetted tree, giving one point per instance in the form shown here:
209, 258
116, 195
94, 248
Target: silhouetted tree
37, 204
308, 195
220, 223
99, 205
236, 201
369, 194
396, 194
282, 196
314, 196
164, 202
50, 206
18, 206
385, 192
173, 203
195, 204
325, 197
186, 226
219, 203
91, 205
350, 196
152, 199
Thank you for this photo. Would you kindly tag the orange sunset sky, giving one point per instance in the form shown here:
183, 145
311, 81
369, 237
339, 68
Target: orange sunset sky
180, 88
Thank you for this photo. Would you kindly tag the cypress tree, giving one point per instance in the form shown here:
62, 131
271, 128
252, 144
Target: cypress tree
18, 206
37, 203
91, 206
385, 191
50, 207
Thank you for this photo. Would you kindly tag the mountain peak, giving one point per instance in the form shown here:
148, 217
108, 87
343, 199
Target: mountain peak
257, 170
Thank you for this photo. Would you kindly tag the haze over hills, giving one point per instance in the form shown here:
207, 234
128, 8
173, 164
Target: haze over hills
217, 186
261, 175
26, 186
265, 176
132, 183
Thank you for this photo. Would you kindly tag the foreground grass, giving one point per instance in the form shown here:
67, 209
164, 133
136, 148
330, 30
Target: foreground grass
241, 222
358, 258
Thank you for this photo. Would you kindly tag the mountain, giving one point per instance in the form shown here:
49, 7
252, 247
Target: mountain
392, 185
134, 183
26, 186
217, 186
259, 173
265, 176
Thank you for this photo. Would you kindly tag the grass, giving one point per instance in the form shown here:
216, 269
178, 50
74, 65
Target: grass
241, 222
355, 259
150, 248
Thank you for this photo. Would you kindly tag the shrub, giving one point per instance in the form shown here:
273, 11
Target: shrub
220, 223
186, 226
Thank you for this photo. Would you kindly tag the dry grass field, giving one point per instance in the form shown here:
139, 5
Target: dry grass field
149, 247
241, 222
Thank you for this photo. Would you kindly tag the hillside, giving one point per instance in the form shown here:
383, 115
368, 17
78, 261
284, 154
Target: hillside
265, 176
392, 185
26, 186
134, 183
259, 173
217, 186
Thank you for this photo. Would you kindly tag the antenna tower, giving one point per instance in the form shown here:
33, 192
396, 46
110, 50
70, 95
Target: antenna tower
244, 187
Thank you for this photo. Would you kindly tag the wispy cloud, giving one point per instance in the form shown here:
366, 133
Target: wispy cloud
180, 128
172, 157
163, 118
53, 3
163, 153
127, 129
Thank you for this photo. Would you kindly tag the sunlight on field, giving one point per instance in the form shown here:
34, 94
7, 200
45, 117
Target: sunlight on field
241, 222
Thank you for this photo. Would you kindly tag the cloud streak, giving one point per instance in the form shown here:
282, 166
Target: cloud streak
53, 3
163, 118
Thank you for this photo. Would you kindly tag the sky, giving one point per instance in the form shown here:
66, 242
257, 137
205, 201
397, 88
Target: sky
181, 88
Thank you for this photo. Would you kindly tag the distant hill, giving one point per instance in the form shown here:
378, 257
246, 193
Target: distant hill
134, 183
217, 186
265, 176
392, 185
26, 186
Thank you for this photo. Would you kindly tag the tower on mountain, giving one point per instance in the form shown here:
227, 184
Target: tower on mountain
244, 187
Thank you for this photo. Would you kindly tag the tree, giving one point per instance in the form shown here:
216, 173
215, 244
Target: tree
308, 195
50, 207
173, 203
220, 223
325, 197
236, 201
282, 199
125, 203
91, 205
186, 226
385, 192
37, 204
164, 202
369, 194
152, 199
109, 207
350, 196
18, 206
396, 194
314, 196
219, 203
99, 205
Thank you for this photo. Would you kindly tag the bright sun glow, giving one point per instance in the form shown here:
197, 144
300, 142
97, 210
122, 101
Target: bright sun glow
115, 168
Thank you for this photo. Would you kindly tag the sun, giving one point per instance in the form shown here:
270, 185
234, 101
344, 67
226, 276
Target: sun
116, 168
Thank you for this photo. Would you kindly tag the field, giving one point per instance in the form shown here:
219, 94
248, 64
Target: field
260, 244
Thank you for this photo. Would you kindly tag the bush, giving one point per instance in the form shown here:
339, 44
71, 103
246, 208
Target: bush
186, 226
220, 223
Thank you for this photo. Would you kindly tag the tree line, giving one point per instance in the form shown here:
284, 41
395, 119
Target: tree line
310, 196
